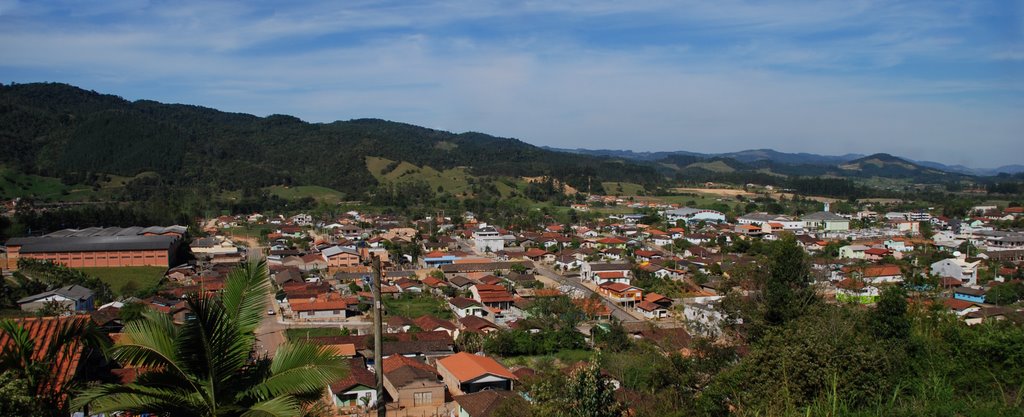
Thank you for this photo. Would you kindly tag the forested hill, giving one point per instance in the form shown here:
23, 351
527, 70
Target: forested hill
63, 131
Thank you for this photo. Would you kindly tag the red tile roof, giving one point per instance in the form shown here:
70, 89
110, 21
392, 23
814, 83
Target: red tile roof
43, 331
394, 362
465, 367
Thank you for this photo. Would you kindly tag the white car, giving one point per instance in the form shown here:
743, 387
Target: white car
271, 312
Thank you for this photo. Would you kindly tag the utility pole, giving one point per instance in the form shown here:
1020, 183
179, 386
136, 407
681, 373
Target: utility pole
378, 361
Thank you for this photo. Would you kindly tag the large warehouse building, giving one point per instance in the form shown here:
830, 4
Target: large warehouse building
101, 247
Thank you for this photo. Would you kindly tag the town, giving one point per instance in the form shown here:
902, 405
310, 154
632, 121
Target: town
472, 309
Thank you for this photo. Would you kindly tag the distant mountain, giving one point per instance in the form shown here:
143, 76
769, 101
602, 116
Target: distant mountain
750, 155
58, 130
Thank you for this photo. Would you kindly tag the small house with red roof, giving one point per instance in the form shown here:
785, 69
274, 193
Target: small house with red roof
622, 294
466, 373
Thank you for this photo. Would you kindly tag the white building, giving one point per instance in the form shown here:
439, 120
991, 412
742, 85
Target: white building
487, 239
692, 215
957, 267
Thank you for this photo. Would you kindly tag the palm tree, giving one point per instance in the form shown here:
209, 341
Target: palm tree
206, 367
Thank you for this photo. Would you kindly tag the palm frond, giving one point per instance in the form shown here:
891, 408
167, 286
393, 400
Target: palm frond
17, 354
300, 368
149, 342
245, 294
139, 398
276, 407
210, 343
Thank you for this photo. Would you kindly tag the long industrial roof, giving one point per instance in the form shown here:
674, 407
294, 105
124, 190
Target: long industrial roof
101, 239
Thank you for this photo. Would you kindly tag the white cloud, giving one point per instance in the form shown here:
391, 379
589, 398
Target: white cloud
765, 87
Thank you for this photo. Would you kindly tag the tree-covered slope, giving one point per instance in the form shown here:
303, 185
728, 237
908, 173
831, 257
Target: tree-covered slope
63, 131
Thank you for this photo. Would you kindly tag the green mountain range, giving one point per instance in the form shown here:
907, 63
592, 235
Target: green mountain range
58, 130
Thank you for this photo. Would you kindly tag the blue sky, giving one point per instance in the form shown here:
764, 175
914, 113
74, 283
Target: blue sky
930, 80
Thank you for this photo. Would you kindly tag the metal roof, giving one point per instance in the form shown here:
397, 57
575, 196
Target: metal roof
92, 243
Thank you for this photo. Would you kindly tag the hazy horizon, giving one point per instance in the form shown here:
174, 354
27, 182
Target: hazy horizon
933, 81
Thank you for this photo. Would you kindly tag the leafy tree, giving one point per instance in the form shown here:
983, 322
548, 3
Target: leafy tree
1005, 293
205, 368
614, 338
470, 342
786, 293
16, 399
586, 393
889, 318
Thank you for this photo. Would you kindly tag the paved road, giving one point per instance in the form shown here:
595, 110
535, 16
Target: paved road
617, 311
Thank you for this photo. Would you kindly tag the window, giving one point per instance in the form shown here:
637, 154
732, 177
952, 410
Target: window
422, 398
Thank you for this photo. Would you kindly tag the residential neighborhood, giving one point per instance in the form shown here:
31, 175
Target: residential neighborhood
456, 294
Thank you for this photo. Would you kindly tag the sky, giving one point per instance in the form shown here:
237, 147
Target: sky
928, 80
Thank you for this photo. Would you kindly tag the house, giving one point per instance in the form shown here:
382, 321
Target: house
357, 391
957, 267
433, 324
612, 276
494, 296
651, 310
71, 297
488, 239
328, 306
411, 383
876, 254
213, 245
853, 251
826, 221
481, 404
341, 257
961, 307
987, 314
856, 291
589, 270
622, 294
465, 373
464, 307
460, 282
474, 324
974, 295
875, 274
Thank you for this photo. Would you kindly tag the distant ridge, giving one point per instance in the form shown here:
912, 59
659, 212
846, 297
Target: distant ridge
801, 158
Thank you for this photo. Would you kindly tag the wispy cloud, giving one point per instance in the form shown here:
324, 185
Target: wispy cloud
923, 79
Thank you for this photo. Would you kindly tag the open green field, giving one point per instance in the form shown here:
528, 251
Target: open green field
454, 181
15, 184
412, 306
622, 188
121, 278
302, 333
318, 193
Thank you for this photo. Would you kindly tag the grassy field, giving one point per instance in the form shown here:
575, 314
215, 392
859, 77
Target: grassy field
412, 306
302, 333
15, 184
321, 194
454, 181
568, 356
140, 277
622, 188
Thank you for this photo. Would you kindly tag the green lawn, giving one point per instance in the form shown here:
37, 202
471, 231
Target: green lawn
140, 277
622, 188
322, 194
412, 306
302, 333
